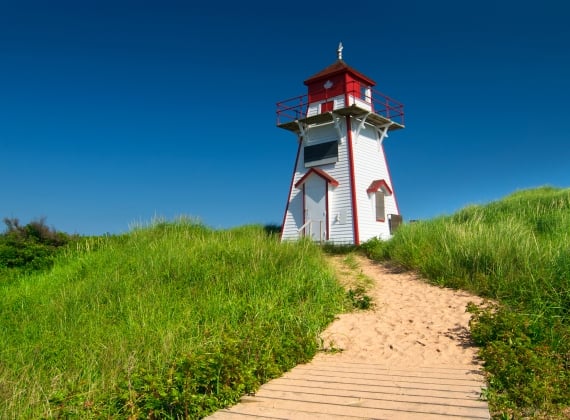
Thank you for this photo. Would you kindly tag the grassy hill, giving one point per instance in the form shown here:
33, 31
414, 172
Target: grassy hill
516, 252
177, 320
173, 320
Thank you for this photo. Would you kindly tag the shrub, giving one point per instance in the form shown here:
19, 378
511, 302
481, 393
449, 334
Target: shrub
30, 247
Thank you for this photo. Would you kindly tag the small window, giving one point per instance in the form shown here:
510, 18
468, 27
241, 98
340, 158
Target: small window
380, 208
327, 106
320, 154
366, 93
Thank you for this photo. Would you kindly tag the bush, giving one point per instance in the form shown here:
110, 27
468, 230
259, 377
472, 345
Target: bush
30, 247
528, 370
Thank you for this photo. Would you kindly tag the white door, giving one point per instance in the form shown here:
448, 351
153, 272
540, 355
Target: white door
315, 208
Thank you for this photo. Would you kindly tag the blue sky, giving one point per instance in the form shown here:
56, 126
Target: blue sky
116, 112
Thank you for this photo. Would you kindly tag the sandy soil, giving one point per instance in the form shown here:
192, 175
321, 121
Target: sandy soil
413, 323
410, 357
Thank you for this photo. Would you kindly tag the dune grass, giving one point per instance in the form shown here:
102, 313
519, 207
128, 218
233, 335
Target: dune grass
176, 320
169, 321
515, 251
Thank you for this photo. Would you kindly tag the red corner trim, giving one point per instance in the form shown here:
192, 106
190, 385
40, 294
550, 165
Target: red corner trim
352, 182
390, 178
379, 184
320, 173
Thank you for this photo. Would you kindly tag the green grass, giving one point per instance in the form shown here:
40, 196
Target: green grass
177, 320
515, 251
173, 320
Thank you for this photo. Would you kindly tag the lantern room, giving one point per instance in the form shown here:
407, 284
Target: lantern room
344, 90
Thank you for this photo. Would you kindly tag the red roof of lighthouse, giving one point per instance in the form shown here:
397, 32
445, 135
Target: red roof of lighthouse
338, 67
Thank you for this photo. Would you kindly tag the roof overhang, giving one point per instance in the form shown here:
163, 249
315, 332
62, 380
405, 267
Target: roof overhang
319, 172
379, 185
338, 67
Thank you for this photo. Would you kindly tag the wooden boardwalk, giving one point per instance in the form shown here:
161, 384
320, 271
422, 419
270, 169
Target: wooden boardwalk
329, 389
409, 358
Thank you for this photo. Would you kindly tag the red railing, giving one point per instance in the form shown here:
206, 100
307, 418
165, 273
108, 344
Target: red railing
292, 109
296, 108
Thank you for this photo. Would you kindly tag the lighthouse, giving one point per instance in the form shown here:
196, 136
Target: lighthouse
341, 190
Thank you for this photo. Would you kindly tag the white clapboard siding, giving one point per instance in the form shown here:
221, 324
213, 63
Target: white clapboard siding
340, 226
370, 165
340, 204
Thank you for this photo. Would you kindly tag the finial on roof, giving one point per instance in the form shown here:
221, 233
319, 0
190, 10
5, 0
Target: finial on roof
339, 51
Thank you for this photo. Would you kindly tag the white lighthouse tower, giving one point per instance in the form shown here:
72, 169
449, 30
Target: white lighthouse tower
341, 190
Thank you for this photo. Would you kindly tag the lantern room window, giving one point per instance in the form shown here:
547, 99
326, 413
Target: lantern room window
366, 93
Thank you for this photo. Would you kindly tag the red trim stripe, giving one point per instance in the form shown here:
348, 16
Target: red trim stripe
390, 178
377, 185
329, 179
327, 212
352, 182
304, 211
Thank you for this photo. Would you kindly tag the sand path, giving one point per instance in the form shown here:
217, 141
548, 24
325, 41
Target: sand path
410, 357
413, 323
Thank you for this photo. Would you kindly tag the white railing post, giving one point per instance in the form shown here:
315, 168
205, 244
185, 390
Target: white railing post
302, 228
